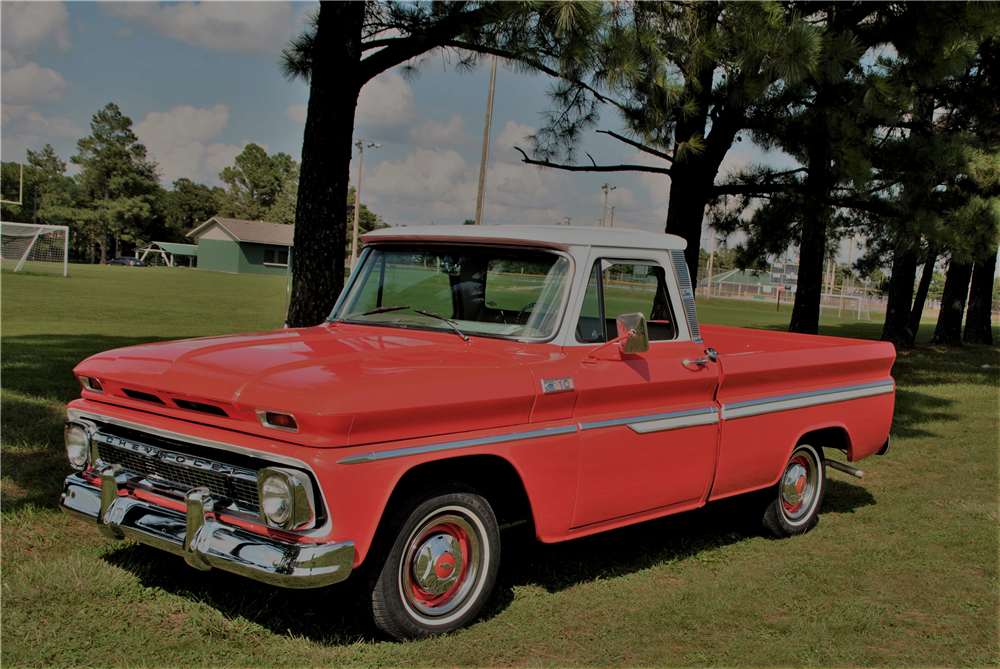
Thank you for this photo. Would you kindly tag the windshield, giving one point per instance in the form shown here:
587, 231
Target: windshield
497, 292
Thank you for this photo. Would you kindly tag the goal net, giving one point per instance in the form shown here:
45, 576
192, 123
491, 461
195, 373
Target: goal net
38, 249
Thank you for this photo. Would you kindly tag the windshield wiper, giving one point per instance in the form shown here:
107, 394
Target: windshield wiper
446, 320
376, 310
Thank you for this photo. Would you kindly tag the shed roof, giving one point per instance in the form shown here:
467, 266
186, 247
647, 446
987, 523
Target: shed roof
172, 248
260, 232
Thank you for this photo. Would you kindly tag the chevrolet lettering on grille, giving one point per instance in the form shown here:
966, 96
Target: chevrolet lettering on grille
175, 458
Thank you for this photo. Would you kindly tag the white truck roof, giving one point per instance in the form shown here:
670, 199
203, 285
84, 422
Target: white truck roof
533, 235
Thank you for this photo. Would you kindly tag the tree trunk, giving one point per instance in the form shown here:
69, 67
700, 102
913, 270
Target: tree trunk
321, 209
956, 287
104, 245
978, 319
917, 311
808, 292
689, 196
897, 311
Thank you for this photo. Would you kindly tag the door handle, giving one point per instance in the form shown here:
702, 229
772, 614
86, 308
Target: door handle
697, 361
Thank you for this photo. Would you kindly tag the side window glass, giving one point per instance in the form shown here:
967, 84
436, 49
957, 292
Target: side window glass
620, 288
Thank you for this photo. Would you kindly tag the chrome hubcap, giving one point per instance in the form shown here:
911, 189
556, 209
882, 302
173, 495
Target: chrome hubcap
437, 565
798, 487
441, 564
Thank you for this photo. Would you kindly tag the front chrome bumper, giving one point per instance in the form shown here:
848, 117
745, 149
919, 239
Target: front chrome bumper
203, 541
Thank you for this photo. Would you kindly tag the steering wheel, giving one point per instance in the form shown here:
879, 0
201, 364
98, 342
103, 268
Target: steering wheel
522, 315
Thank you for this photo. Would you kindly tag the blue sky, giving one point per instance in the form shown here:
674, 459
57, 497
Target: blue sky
201, 80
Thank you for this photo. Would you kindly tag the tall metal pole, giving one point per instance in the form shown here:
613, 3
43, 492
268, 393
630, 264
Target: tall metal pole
357, 204
612, 216
607, 188
480, 199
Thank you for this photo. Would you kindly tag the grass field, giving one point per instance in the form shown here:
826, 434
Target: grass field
902, 569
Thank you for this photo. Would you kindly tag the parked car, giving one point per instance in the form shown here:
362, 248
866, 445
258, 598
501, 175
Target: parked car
469, 379
128, 261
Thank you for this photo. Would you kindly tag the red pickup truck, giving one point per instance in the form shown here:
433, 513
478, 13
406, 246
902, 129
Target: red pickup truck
468, 379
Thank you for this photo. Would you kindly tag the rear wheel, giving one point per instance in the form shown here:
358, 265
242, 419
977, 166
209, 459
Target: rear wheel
799, 494
440, 567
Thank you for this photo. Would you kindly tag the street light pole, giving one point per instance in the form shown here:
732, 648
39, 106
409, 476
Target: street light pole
361, 144
604, 215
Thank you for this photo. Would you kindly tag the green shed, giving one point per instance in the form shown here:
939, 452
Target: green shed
243, 247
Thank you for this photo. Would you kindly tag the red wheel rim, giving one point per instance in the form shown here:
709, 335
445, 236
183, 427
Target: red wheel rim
441, 564
799, 487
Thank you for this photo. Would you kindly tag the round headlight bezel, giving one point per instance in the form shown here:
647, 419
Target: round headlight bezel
300, 511
79, 452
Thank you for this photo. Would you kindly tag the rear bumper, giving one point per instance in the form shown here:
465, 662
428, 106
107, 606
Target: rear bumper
203, 541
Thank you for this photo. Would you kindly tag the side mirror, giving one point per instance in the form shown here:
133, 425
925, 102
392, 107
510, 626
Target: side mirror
633, 326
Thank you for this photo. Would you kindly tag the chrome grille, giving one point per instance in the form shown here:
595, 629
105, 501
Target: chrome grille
157, 466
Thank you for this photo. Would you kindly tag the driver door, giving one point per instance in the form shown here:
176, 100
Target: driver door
649, 422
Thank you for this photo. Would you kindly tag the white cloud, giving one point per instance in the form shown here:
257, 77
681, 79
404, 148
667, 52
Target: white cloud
220, 156
386, 101
178, 141
25, 128
424, 175
296, 113
246, 27
124, 32
440, 186
29, 26
431, 134
181, 125
513, 134
31, 84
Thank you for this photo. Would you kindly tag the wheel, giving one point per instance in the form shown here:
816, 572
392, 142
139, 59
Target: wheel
440, 568
800, 493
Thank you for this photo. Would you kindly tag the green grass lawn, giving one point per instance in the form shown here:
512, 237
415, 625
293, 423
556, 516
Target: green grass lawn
901, 570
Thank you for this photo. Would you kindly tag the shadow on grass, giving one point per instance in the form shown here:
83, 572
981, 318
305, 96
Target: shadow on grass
333, 615
42, 365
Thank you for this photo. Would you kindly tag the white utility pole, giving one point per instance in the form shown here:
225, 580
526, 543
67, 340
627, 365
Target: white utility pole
361, 144
480, 200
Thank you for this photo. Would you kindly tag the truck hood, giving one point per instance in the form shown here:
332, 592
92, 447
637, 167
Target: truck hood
345, 384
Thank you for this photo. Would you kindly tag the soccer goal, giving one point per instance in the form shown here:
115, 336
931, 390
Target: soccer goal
38, 249
845, 306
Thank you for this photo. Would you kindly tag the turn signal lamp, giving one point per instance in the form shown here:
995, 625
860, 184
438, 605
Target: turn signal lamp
91, 383
278, 420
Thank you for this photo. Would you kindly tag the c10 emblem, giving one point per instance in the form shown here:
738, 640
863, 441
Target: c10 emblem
557, 385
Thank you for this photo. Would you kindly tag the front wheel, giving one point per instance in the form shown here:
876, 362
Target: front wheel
440, 568
799, 495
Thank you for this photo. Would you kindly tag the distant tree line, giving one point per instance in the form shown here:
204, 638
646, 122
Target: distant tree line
115, 202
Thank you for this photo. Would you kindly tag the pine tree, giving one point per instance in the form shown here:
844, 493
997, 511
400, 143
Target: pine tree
117, 179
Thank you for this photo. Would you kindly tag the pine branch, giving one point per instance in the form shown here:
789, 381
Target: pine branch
593, 168
534, 64
641, 147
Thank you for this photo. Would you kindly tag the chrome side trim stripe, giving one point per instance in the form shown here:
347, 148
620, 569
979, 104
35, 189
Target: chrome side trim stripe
452, 445
802, 400
661, 421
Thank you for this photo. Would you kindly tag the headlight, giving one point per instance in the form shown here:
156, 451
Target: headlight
286, 499
77, 439
276, 500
